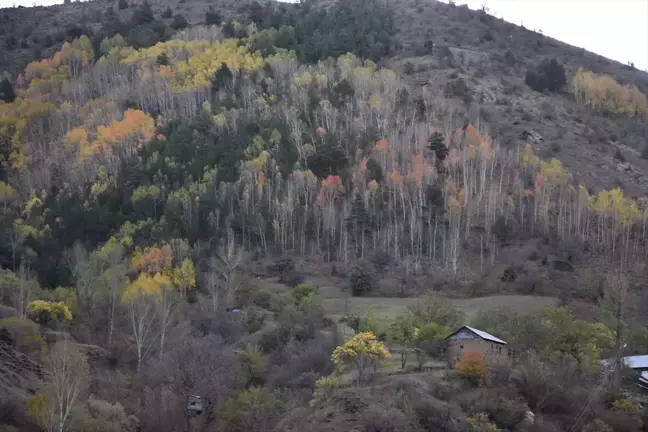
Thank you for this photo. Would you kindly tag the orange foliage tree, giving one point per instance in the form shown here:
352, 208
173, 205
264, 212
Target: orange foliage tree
472, 366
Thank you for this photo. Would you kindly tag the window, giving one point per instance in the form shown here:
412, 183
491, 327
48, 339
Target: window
499, 348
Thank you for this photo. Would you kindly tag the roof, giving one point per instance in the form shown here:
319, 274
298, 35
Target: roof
482, 334
636, 362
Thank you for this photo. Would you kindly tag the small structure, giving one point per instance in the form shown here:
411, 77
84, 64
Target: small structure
638, 363
195, 406
468, 339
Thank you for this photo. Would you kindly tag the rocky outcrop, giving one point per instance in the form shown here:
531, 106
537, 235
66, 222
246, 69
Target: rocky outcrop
532, 137
18, 373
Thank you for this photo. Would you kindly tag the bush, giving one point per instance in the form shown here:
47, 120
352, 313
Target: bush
281, 266
548, 75
179, 22
303, 291
123, 4
43, 311
254, 365
457, 88
480, 423
408, 68
362, 279
472, 366
168, 13
25, 335
367, 323
212, 17
252, 409
380, 260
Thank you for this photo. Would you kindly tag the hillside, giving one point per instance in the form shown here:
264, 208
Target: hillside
233, 216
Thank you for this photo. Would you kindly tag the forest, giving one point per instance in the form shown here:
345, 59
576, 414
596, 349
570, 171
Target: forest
151, 184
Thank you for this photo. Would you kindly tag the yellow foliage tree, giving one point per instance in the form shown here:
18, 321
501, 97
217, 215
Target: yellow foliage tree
43, 311
363, 352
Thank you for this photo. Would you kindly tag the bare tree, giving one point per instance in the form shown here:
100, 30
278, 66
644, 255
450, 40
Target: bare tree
225, 264
114, 280
85, 271
165, 309
142, 314
66, 369
617, 293
23, 291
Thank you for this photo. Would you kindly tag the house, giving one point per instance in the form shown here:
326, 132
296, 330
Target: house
468, 339
638, 363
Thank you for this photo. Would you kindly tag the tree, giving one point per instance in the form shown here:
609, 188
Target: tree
7, 93
253, 409
66, 372
436, 143
212, 17
184, 276
179, 22
472, 366
435, 309
548, 75
430, 340
403, 332
123, 4
168, 13
362, 279
222, 77
143, 297
43, 311
111, 255
363, 353
225, 264
480, 423
143, 14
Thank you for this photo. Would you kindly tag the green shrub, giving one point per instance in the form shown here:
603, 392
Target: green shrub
362, 279
252, 409
179, 22
480, 423
367, 323
253, 363
303, 291
25, 335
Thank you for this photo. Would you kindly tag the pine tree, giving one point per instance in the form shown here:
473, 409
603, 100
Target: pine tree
7, 93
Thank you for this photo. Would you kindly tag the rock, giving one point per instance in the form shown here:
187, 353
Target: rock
624, 167
529, 417
532, 137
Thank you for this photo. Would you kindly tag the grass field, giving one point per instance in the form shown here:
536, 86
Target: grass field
386, 309
337, 303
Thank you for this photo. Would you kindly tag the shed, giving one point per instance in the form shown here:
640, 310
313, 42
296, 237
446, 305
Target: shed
469, 339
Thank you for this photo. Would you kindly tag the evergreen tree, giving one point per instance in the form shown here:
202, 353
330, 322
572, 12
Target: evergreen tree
221, 78
7, 93
212, 17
